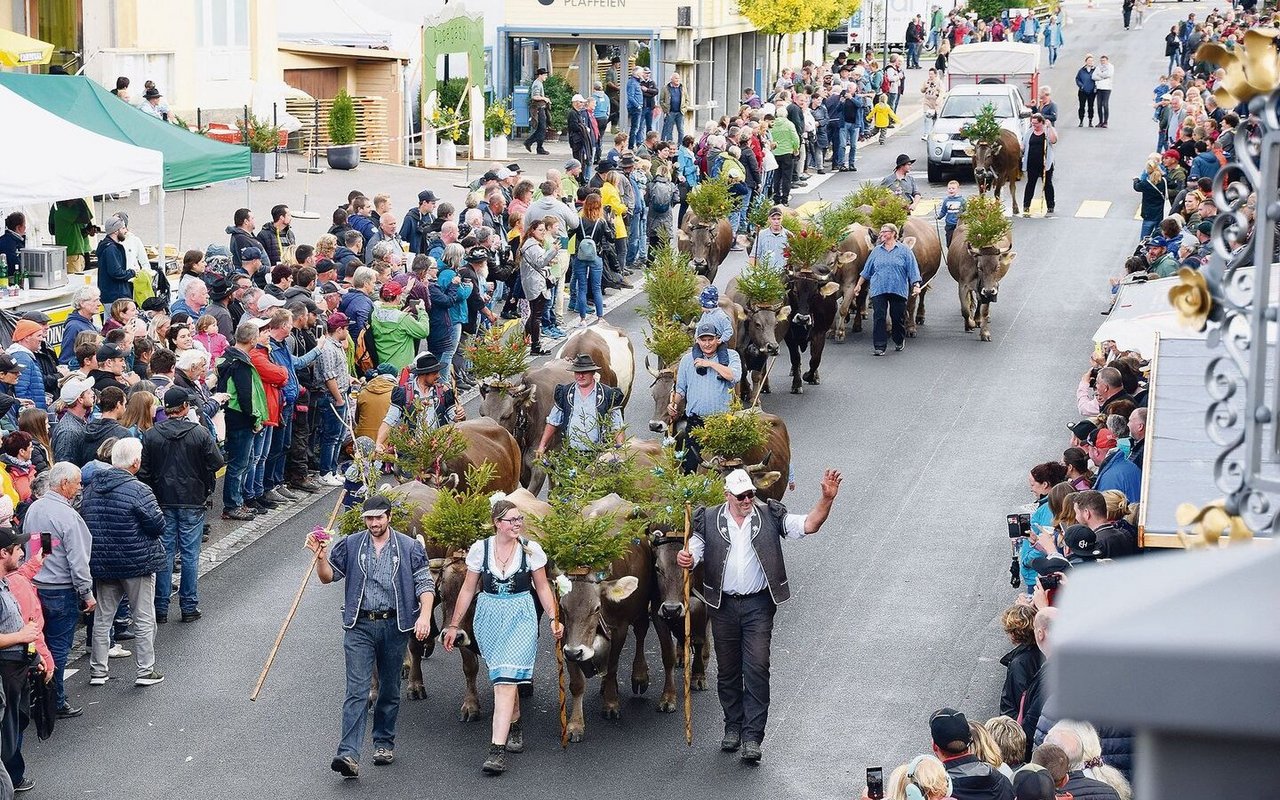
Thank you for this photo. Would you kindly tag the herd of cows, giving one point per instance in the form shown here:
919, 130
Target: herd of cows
645, 586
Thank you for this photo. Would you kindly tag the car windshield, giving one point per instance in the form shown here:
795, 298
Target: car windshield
962, 106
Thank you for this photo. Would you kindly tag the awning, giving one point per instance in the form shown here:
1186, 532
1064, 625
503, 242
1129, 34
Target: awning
17, 50
190, 160
1141, 313
70, 161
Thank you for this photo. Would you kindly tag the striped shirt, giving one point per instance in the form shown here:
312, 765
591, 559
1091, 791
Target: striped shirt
706, 394
380, 580
770, 248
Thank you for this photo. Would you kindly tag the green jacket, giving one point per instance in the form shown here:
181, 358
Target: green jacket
1166, 266
396, 334
785, 136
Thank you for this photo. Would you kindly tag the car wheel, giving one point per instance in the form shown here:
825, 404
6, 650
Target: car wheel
935, 173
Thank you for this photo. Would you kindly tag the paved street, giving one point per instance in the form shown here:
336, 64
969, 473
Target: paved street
895, 603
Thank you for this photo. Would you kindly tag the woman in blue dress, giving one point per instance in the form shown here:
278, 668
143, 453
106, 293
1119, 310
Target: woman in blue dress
505, 569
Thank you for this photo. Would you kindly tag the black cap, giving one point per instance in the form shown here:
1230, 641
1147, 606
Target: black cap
542, 71
376, 506
7, 364
902, 160
38, 317
489, 176
151, 94
1051, 564
947, 725
108, 352
329, 287
325, 265
1033, 784
477, 255
1083, 542
220, 289
1082, 429
9, 536
427, 196
176, 397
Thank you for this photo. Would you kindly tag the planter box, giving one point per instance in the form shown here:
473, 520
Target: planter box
448, 154
498, 147
263, 166
343, 156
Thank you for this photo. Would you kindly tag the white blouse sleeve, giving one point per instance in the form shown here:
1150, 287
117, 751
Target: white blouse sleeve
475, 557
537, 556
793, 525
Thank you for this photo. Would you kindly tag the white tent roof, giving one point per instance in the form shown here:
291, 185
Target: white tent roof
349, 23
994, 58
70, 161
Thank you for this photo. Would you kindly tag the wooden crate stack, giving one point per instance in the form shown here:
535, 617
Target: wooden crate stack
371, 124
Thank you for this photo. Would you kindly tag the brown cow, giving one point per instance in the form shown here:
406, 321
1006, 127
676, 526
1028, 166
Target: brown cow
610, 348
450, 571
998, 163
759, 329
707, 244
596, 612
668, 610
922, 237
486, 442
521, 405
664, 384
978, 271
769, 464
856, 243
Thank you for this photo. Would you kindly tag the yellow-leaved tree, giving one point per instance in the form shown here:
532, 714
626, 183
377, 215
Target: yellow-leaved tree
781, 17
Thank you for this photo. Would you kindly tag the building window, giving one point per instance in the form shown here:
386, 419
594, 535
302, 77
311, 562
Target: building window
222, 23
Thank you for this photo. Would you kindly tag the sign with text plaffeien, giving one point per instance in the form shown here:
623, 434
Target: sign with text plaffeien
452, 31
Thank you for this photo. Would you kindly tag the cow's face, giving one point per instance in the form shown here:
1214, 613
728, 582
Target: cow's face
664, 383
582, 612
760, 326
503, 402
804, 290
668, 587
699, 237
992, 263
984, 159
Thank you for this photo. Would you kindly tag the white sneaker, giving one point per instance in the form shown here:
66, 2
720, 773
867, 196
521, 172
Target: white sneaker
98, 680
117, 651
332, 479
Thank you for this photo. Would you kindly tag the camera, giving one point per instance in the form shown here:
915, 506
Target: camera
1019, 525
875, 783
1050, 582
700, 370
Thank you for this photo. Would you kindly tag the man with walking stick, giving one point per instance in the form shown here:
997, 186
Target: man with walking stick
744, 580
389, 593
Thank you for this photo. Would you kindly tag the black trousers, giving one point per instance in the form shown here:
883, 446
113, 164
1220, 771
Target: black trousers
742, 628
16, 716
689, 446
1086, 102
1034, 171
886, 310
533, 326
295, 463
782, 178
537, 127
1104, 106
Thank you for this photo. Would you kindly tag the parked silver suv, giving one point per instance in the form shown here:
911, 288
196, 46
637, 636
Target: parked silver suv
947, 149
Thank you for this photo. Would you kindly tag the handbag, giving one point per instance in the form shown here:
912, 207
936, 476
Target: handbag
44, 705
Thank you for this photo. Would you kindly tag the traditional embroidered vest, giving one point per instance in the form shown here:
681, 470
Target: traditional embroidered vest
711, 523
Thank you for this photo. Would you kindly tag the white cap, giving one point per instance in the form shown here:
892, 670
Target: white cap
73, 388
577, 98
738, 482
258, 321
505, 173
270, 301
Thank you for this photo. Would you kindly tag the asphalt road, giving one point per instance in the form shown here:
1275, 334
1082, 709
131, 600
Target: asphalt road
895, 603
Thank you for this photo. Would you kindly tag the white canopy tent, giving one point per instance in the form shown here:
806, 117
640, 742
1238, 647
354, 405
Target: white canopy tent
70, 161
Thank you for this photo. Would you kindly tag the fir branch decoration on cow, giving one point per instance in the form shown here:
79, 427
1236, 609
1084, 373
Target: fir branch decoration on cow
731, 435
835, 219
671, 288
762, 284
496, 355
985, 221
574, 541
984, 128
673, 488
587, 470
869, 194
711, 200
669, 341
807, 250
422, 450
459, 519
888, 210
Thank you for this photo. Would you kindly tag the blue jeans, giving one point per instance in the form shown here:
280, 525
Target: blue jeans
280, 439
895, 305
913, 55
329, 433
848, 139
61, 609
738, 216
446, 353
368, 645
588, 273
1148, 225
893, 102
1053, 55
239, 449
254, 482
670, 120
182, 530
635, 135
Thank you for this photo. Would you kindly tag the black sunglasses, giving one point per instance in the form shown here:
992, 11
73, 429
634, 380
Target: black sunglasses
747, 495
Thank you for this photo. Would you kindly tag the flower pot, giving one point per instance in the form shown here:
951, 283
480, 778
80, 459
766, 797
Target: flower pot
498, 147
263, 166
346, 156
448, 154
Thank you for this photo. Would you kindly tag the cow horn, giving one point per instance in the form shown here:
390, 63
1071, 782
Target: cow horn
649, 368
766, 480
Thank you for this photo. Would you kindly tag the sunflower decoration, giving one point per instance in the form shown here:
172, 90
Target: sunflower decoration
1192, 300
1205, 527
1252, 69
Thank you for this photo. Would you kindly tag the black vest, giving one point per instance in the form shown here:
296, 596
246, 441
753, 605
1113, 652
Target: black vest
711, 525
521, 580
607, 399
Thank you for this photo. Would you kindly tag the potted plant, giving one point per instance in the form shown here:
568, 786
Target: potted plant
448, 125
262, 140
342, 152
560, 96
498, 121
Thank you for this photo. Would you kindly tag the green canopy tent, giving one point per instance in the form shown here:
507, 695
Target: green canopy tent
190, 160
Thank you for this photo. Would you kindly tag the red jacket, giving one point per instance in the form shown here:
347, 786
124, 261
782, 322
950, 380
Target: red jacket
273, 377
29, 602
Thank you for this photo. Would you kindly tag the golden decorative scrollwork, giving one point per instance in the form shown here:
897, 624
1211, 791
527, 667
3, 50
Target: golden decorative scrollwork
1252, 69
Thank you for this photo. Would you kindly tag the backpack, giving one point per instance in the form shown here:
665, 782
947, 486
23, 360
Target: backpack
587, 250
884, 83
662, 196
366, 354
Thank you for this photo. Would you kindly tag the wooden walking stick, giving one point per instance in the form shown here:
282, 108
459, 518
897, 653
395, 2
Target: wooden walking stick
564, 709
688, 636
755, 400
297, 600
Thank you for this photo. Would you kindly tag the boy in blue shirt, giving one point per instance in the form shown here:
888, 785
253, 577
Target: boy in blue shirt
950, 209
